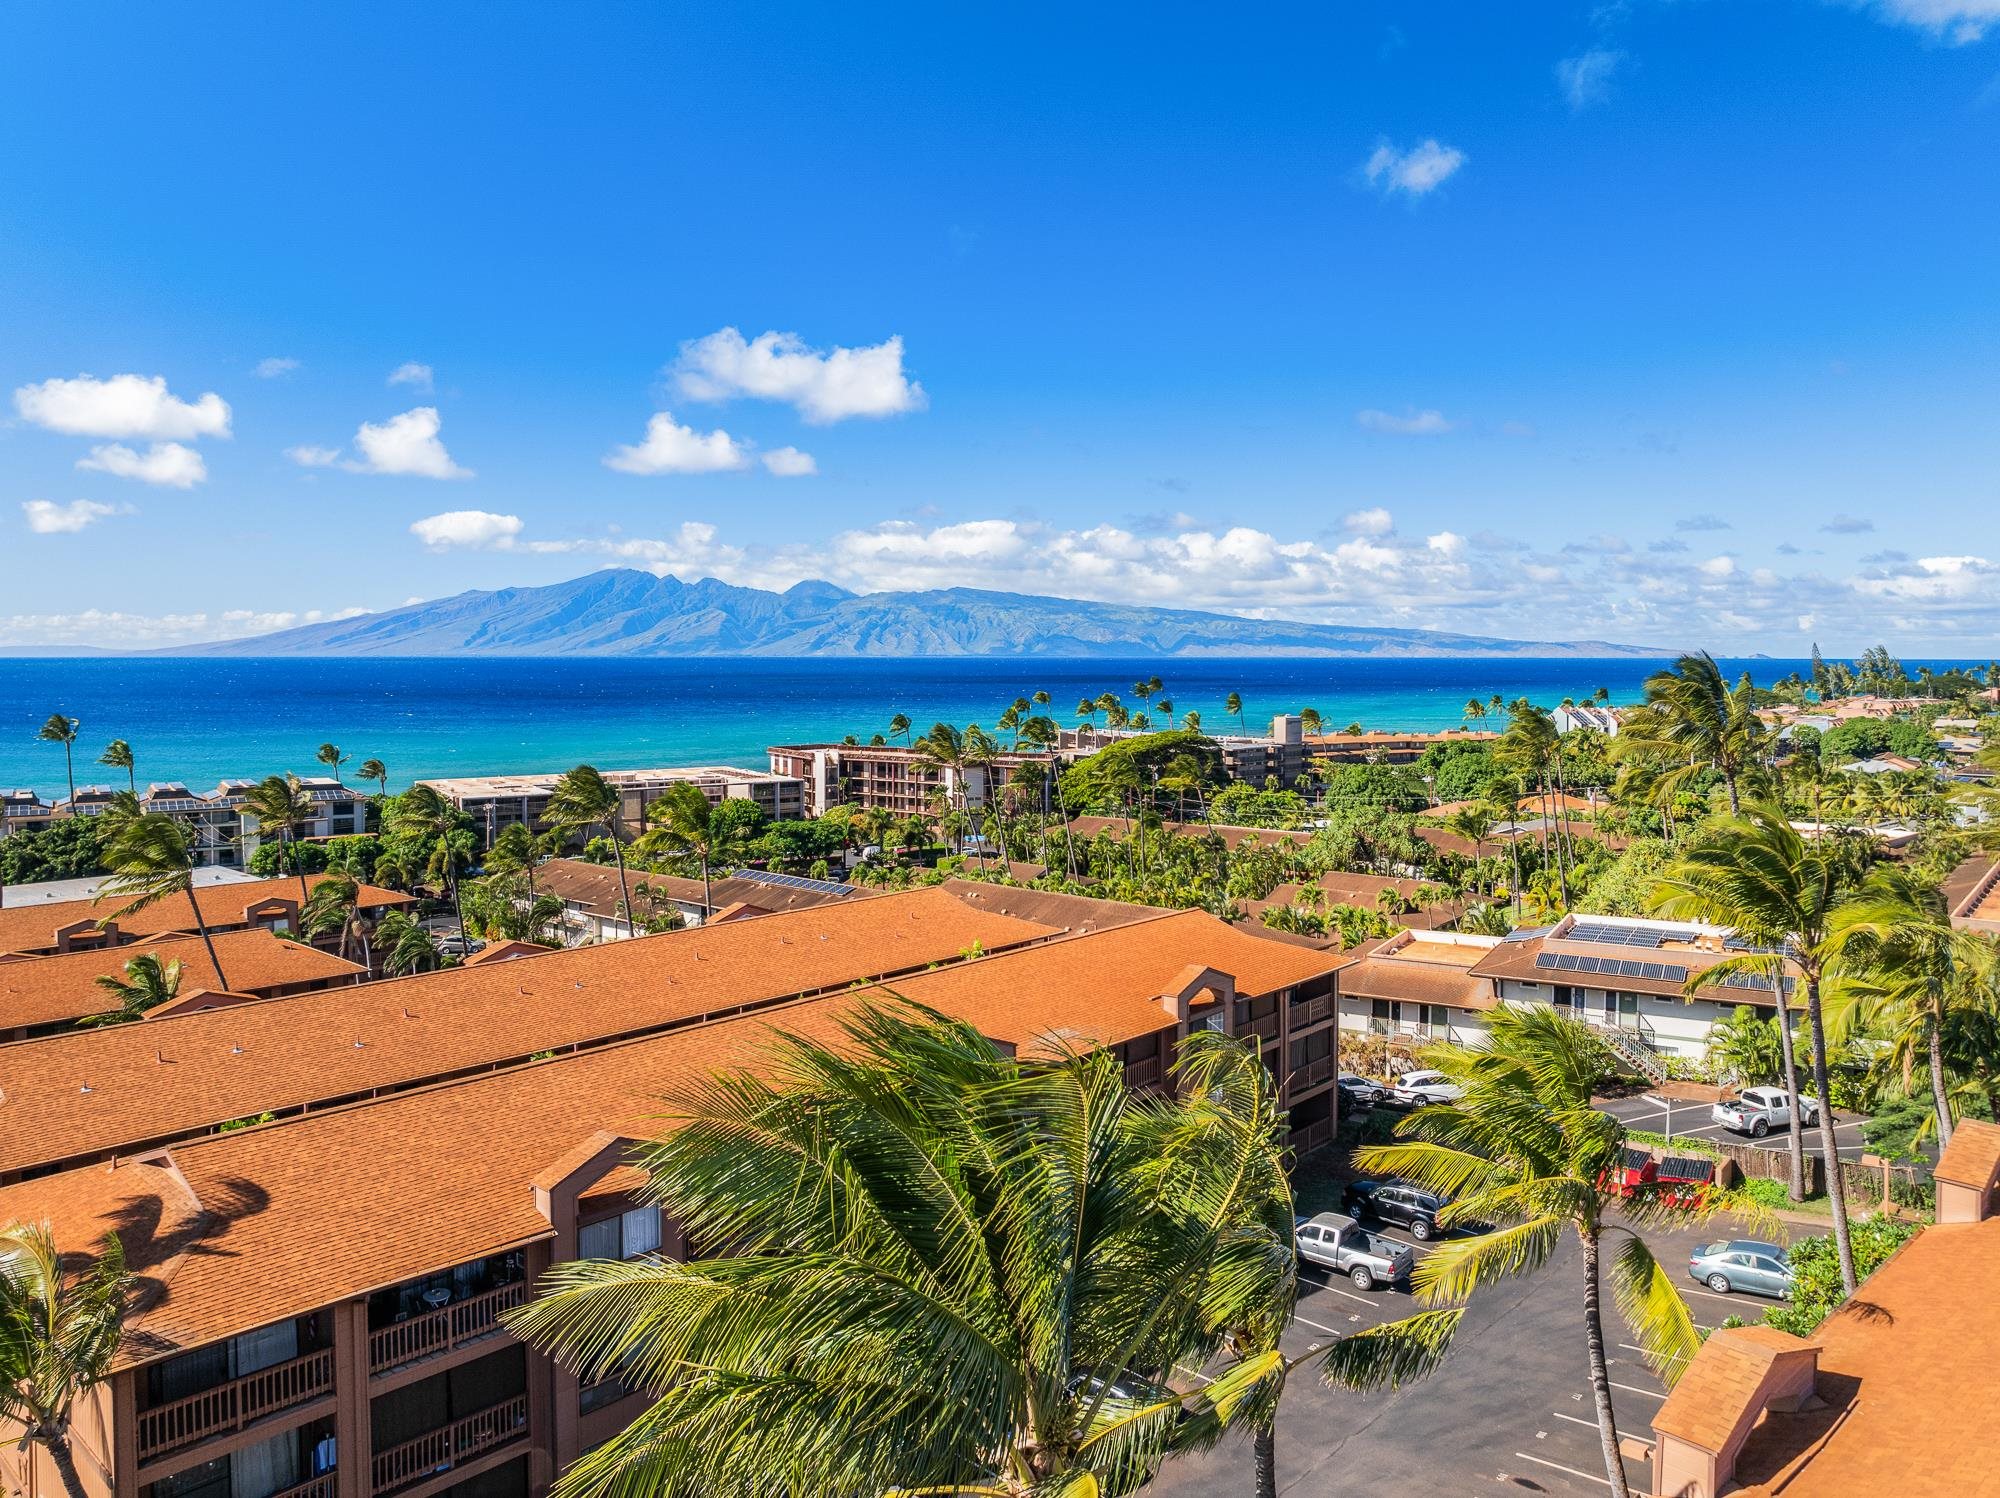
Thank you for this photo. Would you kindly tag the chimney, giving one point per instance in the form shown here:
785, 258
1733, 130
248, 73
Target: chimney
1968, 1173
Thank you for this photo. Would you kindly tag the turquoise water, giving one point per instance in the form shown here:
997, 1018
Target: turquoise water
201, 720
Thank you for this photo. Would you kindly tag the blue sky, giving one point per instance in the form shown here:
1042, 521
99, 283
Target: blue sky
1665, 322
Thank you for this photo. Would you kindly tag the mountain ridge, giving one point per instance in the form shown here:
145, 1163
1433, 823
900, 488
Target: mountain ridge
624, 611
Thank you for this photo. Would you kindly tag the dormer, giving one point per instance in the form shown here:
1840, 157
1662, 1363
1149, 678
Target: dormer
1968, 1173
1199, 997
1741, 1374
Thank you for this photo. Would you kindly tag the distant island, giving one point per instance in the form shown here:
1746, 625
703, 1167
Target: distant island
625, 612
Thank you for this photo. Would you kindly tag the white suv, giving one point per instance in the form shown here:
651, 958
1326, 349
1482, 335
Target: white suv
1756, 1111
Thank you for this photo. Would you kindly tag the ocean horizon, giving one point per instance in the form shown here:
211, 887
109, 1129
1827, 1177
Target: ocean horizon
200, 720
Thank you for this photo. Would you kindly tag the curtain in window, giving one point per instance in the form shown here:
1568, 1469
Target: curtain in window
267, 1347
266, 1468
598, 1240
642, 1231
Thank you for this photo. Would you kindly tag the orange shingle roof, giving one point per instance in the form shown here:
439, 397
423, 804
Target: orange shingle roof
1711, 1398
71, 1096
1973, 1156
44, 990
32, 928
1426, 972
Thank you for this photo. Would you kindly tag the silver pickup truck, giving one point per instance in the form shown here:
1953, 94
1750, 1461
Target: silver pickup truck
1344, 1246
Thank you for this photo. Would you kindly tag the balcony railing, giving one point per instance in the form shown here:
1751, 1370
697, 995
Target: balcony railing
1312, 1074
1312, 1011
1144, 1073
231, 1406
323, 1486
451, 1446
1312, 1136
443, 1330
1264, 1029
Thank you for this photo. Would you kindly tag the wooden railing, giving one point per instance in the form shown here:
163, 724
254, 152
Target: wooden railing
231, 1406
1311, 1011
1312, 1074
323, 1486
442, 1330
451, 1445
1264, 1029
1312, 1136
1144, 1073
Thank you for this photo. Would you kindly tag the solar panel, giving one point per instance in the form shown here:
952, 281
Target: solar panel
1608, 935
1736, 943
1619, 967
793, 881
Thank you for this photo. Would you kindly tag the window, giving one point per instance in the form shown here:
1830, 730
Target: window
642, 1231
623, 1237
598, 1240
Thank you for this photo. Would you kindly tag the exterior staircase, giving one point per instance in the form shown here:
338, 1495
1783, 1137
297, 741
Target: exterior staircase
1636, 1049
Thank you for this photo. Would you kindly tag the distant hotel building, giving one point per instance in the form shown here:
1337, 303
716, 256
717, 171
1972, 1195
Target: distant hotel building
1390, 748
497, 802
222, 835
892, 777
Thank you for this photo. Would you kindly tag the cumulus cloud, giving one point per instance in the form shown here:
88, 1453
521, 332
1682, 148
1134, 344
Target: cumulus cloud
1586, 78
473, 529
1717, 566
1933, 580
47, 518
1420, 170
126, 405
672, 448
1959, 22
308, 456
1848, 525
115, 628
272, 369
1702, 523
417, 376
1411, 423
790, 463
406, 444
824, 386
166, 463
1371, 522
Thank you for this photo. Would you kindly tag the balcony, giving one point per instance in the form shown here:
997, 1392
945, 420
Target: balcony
1306, 1012
1312, 1074
1312, 1136
450, 1446
446, 1329
323, 1486
1264, 1029
231, 1406
1144, 1073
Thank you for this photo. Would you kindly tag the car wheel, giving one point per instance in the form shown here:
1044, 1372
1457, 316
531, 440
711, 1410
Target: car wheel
1759, 1128
1719, 1283
1363, 1280
1421, 1230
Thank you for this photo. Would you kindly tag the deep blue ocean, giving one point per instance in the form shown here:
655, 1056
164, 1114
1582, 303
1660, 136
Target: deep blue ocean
201, 720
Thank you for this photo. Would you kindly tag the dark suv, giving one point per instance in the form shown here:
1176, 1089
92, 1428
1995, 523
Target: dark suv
1396, 1201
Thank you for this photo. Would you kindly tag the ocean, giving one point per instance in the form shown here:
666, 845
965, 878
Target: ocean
201, 720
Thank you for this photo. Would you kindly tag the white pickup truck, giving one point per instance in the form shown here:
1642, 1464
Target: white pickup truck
1758, 1111
1343, 1245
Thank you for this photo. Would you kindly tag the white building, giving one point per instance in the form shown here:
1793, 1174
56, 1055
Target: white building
1574, 715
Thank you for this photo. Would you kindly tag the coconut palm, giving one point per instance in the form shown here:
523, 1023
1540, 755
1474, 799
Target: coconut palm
682, 821
1233, 705
61, 730
375, 770
147, 983
1693, 716
1745, 1048
1523, 1147
1310, 722
334, 909
118, 755
424, 817
584, 799
900, 724
59, 1330
330, 756
406, 946
1475, 825
943, 750
1779, 892
1474, 710
1905, 969
282, 806
151, 860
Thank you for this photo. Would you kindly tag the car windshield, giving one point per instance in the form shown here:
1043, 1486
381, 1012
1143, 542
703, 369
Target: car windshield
1709, 1250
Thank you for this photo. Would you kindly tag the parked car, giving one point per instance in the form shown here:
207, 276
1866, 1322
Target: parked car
1346, 1247
1360, 1093
1758, 1111
1742, 1264
1405, 1202
1413, 1089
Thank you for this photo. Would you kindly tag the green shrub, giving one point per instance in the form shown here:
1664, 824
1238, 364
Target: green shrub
1816, 1288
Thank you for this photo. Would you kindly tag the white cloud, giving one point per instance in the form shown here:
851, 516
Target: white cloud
272, 369
1586, 78
117, 629
308, 456
824, 386
406, 444
1411, 423
1446, 544
1372, 522
476, 529
47, 518
1933, 580
166, 463
1717, 567
417, 376
1959, 22
125, 405
790, 463
672, 448
1422, 169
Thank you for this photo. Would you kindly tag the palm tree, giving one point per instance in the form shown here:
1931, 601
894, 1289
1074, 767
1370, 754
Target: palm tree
1474, 710
330, 756
1692, 713
584, 799
282, 805
1524, 1147
1310, 722
150, 860
943, 750
1906, 970
1745, 1048
334, 906
62, 730
1778, 891
424, 816
1233, 704
900, 724
58, 1333
118, 755
375, 770
147, 984
1475, 825
406, 946
682, 821
1086, 709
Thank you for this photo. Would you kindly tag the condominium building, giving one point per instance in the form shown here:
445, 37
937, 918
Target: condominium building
497, 802
1389, 748
21, 810
321, 1292
221, 833
891, 777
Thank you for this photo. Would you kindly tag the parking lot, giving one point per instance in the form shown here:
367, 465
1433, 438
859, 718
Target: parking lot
1692, 1120
1510, 1410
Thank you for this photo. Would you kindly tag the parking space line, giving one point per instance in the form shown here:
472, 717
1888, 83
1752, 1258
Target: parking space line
1602, 1482
1711, 1295
1574, 1419
1642, 1352
1631, 1389
1316, 1326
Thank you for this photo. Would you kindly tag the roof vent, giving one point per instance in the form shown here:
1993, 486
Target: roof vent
86, 1088
359, 1044
236, 1050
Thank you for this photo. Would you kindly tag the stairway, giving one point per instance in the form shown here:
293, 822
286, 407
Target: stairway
1635, 1052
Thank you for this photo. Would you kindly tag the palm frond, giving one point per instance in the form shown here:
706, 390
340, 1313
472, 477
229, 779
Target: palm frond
1653, 1309
1390, 1355
1454, 1269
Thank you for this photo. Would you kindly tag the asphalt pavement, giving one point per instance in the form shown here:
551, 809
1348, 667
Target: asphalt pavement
1693, 1120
